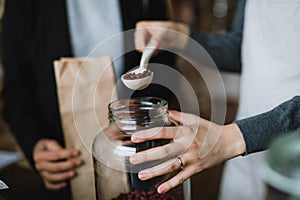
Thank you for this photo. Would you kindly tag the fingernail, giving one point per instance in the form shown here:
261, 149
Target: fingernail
71, 173
63, 184
142, 175
133, 159
161, 190
78, 162
75, 153
135, 138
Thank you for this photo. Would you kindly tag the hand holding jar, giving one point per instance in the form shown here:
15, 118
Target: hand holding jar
197, 145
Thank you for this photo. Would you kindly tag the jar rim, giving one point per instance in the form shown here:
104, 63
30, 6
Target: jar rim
138, 111
154, 102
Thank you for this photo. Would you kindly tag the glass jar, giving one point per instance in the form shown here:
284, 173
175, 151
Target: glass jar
282, 168
114, 174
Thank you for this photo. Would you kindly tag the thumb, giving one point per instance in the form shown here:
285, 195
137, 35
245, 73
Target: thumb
184, 118
176, 116
141, 38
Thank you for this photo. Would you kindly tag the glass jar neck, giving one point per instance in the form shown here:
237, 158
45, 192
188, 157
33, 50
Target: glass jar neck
138, 113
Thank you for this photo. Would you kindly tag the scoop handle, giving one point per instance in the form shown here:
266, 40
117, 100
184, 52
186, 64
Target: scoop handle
149, 50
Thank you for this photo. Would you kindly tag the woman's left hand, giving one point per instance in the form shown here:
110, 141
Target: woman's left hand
197, 145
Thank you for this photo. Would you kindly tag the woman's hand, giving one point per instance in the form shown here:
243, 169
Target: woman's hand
54, 163
161, 34
197, 145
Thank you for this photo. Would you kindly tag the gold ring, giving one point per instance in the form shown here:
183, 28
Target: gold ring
181, 162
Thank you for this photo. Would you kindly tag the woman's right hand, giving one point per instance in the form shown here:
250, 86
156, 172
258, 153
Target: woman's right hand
54, 163
197, 145
161, 34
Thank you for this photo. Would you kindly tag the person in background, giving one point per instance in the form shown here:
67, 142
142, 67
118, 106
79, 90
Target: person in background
35, 33
270, 70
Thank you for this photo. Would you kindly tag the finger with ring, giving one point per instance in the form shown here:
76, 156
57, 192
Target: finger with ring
180, 162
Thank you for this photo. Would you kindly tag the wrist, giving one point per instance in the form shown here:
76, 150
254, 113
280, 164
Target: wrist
234, 143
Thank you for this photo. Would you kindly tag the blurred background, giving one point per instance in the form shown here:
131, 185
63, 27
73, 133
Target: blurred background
205, 15
210, 16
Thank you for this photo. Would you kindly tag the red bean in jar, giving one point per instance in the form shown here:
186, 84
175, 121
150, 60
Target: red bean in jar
142, 195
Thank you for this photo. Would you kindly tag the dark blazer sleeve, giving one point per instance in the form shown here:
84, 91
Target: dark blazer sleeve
20, 109
260, 130
225, 50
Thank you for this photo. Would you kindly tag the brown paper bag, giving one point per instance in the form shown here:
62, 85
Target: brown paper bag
85, 88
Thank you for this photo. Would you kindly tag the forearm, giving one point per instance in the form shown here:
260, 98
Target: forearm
260, 130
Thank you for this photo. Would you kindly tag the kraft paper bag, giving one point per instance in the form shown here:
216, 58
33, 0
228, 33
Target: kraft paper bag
85, 87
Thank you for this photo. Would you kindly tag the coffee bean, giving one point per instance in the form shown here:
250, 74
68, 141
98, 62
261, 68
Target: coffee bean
133, 75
